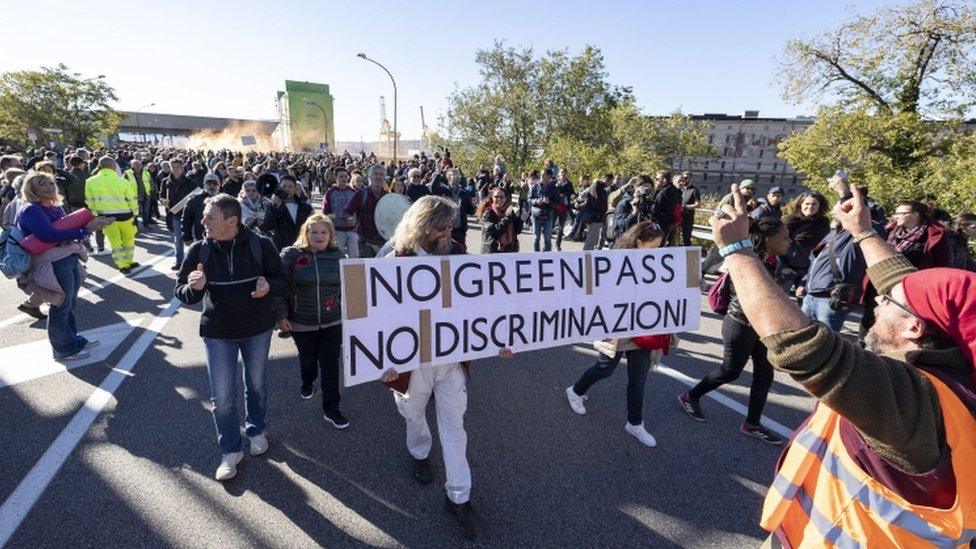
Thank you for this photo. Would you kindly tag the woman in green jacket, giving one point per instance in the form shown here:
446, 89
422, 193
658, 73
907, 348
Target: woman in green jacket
310, 310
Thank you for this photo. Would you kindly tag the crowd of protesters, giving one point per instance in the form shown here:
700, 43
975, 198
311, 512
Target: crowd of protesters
250, 246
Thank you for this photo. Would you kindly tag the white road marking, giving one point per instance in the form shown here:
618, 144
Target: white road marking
28, 361
156, 269
773, 425
22, 499
95, 288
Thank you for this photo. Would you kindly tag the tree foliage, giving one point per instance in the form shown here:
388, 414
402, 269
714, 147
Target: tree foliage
563, 107
896, 85
74, 107
917, 58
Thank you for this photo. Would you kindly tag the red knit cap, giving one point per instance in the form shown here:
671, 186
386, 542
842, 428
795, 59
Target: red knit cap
946, 299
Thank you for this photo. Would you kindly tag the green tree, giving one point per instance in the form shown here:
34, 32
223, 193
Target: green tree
74, 107
894, 86
563, 107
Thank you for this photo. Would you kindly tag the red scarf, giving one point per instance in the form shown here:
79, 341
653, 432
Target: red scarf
946, 299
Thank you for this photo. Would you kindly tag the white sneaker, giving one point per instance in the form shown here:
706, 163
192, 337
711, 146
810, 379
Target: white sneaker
641, 434
228, 466
259, 444
575, 400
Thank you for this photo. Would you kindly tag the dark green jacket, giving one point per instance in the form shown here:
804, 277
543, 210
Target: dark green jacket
313, 293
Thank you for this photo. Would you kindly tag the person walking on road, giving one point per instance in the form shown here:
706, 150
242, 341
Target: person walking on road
191, 222
500, 223
310, 310
56, 275
287, 214
769, 238
141, 181
107, 194
640, 351
690, 201
342, 202
886, 457
426, 230
235, 272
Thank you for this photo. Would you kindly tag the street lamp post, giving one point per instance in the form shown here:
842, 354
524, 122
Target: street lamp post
325, 121
396, 136
139, 123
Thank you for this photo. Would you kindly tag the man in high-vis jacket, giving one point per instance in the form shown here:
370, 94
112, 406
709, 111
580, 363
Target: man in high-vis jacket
886, 458
107, 194
141, 181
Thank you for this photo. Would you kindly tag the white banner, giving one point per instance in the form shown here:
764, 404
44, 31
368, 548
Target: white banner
412, 312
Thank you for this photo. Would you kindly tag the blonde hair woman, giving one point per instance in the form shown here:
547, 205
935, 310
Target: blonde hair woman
310, 310
41, 208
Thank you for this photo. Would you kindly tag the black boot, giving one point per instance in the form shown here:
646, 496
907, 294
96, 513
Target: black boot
422, 471
467, 519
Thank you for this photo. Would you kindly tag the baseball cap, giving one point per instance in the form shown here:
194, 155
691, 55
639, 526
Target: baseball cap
747, 184
210, 177
777, 190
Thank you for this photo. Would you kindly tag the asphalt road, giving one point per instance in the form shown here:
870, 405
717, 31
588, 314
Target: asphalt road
85, 466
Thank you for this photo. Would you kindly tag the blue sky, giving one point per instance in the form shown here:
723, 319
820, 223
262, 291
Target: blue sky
227, 58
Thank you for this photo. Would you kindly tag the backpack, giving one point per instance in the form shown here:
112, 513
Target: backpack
14, 259
253, 244
720, 294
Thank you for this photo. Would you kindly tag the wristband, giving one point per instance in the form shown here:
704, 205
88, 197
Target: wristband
864, 235
735, 247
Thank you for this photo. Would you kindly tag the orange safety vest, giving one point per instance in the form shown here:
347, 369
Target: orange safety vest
822, 498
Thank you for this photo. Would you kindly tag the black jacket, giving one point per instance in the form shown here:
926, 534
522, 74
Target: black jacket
232, 187
493, 226
193, 218
595, 207
282, 228
312, 296
416, 191
229, 311
175, 190
666, 199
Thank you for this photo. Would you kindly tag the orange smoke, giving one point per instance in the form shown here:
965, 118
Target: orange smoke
230, 138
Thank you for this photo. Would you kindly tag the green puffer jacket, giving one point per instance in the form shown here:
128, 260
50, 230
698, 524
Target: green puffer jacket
313, 294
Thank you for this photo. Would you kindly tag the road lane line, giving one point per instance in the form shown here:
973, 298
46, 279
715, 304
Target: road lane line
95, 288
22, 499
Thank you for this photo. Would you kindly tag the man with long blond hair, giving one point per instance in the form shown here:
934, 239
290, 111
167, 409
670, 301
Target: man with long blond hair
426, 230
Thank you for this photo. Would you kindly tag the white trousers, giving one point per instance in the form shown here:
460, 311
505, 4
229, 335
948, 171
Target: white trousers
348, 242
447, 383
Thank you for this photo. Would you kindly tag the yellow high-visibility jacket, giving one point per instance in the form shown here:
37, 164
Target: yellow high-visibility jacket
146, 181
106, 194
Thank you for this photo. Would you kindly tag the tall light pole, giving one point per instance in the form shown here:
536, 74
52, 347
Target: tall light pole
139, 124
325, 121
396, 136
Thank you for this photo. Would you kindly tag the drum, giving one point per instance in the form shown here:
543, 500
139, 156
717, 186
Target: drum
389, 211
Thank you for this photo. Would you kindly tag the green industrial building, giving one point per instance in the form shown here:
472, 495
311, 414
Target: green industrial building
305, 114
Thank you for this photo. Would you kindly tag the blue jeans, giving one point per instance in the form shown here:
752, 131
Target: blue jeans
222, 368
638, 364
61, 329
543, 228
177, 227
144, 210
818, 308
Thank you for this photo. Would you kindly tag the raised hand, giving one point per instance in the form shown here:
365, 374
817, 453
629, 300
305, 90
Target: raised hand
732, 223
197, 278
